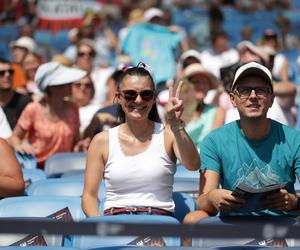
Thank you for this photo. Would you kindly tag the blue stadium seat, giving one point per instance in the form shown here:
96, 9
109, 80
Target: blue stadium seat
4, 50
9, 33
41, 206
183, 172
33, 174
61, 187
43, 37
186, 181
60, 40
60, 163
184, 203
79, 173
186, 185
86, 242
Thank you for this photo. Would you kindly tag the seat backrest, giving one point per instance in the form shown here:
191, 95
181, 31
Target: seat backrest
184, 203
60, 163
86, 242
186, 185
183, 172
40, 206
61, 187
33, 174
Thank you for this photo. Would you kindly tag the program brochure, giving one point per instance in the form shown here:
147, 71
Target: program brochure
254, 196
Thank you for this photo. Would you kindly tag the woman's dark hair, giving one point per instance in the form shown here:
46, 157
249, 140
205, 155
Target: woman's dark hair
138, 71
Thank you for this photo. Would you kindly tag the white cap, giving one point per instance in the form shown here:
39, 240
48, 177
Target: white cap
252, 69
24, 42
54, 74
151, 13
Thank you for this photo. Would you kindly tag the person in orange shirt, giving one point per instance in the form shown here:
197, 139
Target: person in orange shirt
20, 48
51, 124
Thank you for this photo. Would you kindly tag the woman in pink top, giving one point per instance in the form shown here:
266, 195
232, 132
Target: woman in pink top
52, 124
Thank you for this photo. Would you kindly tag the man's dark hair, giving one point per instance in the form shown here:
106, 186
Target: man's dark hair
3, 60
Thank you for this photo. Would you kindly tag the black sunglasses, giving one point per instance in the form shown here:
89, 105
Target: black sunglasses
90, 54
10, 71
131, 95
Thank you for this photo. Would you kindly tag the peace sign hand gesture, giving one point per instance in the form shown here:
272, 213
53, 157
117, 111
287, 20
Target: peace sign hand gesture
174, 108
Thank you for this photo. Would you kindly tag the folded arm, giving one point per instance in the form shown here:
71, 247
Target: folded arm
11, 178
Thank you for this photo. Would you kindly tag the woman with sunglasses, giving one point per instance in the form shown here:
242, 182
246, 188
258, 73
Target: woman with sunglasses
137, 159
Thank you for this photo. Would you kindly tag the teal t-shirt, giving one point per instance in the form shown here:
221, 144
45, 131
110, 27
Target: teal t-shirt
257, 163
198, 129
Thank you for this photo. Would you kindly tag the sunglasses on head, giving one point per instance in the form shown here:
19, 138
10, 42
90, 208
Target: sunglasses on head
139, 65
10, 71
131, 95
90, 54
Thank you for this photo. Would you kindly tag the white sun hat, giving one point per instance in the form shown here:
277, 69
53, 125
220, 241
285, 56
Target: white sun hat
25, 42
54, 74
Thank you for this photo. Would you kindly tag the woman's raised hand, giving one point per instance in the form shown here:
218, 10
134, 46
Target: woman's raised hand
174, 106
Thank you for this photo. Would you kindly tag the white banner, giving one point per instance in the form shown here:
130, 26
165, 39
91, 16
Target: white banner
55, 15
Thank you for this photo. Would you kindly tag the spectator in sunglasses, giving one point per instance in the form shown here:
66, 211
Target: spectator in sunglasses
85, 55
137, 159
85, 60
82, 94
11, 101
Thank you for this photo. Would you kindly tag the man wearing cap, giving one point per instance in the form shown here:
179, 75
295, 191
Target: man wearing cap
11, 101
254, 150
19, 49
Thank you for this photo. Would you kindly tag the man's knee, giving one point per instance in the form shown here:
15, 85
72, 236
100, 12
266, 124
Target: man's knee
195, 216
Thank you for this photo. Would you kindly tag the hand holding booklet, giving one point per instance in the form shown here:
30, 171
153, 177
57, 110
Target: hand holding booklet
254, 196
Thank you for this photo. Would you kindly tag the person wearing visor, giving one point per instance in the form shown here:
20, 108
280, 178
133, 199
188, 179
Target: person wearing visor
50, 125
254, 150
137, 159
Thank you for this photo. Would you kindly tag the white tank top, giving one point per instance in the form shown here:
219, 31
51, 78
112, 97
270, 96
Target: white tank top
144, 179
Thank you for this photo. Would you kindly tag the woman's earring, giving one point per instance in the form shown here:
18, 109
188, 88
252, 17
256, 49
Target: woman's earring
117, 98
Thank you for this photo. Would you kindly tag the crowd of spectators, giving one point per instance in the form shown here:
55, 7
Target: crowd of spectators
55, 95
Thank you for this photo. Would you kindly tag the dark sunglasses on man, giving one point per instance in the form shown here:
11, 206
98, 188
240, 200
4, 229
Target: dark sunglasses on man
9, 71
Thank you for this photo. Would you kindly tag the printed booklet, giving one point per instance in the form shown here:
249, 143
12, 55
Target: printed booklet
254, 196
